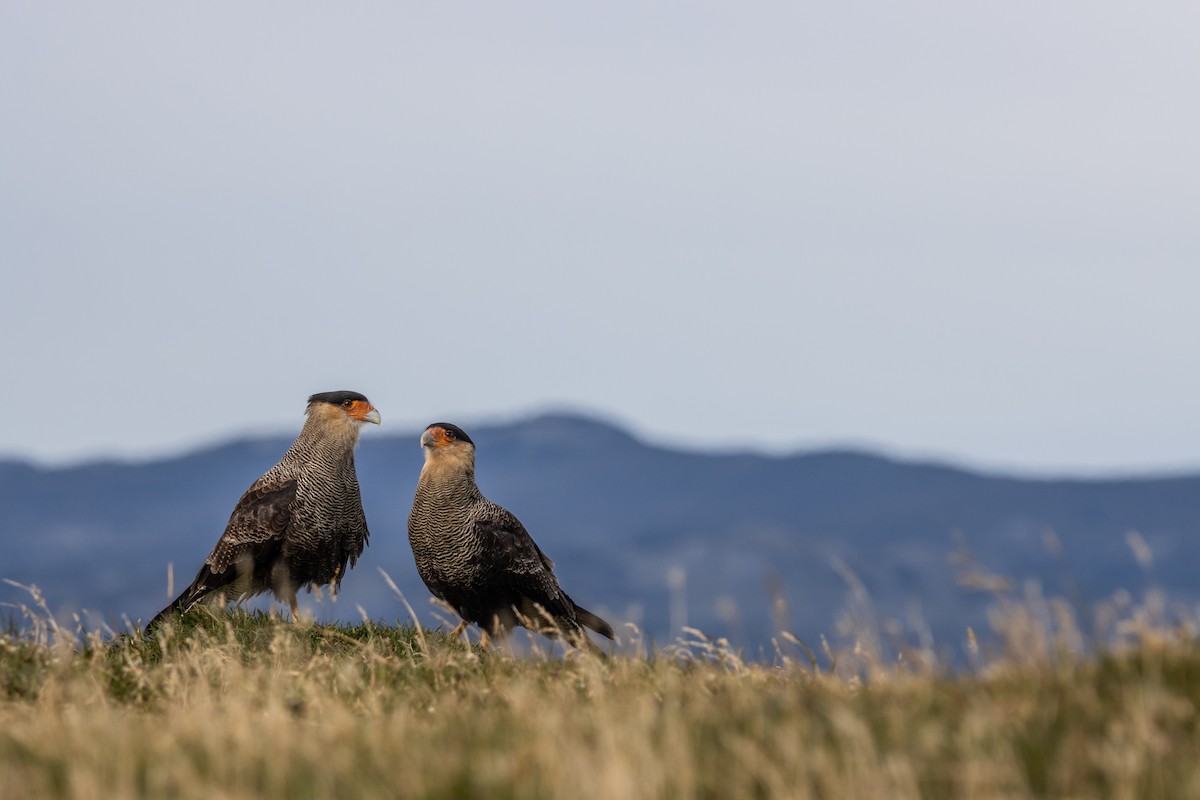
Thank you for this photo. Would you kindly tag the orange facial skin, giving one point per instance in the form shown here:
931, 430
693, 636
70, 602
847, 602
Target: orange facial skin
359, 409
436, 437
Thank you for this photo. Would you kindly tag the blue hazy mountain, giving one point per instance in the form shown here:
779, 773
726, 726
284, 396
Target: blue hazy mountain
748, 541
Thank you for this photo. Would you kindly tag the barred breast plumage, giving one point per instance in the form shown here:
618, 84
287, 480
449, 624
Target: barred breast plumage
301, 524
477, 557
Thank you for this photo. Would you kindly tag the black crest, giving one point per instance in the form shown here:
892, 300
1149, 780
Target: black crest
335, 398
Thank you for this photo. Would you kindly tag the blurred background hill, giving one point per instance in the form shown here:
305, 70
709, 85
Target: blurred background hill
736, 544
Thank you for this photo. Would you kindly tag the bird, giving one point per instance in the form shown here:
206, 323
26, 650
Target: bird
477, 557
298, 526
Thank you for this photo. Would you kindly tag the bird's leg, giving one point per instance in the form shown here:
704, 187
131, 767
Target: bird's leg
295, 610
458, 629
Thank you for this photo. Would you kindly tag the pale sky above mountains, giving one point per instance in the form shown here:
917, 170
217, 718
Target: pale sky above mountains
932, 228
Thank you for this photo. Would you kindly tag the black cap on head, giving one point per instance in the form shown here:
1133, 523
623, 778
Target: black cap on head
335, 398
451, 428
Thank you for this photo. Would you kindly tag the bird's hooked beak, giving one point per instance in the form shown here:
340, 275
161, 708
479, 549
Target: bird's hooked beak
363, 411
434, 437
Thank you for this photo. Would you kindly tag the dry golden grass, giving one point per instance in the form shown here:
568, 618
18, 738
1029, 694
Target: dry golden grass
244, 706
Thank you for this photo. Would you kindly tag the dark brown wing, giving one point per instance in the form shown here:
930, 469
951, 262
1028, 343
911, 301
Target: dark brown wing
260, 519
519, 562
251, 541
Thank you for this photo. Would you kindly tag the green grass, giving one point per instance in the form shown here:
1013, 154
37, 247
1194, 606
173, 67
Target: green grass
242, 705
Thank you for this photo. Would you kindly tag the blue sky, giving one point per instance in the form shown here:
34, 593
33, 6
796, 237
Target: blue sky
933, 228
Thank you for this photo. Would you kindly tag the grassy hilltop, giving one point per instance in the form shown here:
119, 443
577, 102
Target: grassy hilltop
246, 706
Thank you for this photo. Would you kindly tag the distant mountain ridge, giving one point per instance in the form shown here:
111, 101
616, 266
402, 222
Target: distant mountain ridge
737, 531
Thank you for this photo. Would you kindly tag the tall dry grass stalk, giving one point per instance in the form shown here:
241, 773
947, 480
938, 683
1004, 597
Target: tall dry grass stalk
239, 706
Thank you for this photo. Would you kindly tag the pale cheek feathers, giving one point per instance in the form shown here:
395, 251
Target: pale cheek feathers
324, 412
451, 457
333, 419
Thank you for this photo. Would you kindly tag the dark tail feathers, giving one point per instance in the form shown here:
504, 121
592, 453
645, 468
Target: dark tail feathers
204, 584
177, 606
590, 620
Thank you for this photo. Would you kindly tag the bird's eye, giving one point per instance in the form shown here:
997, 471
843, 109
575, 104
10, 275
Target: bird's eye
449, 434
347, 403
